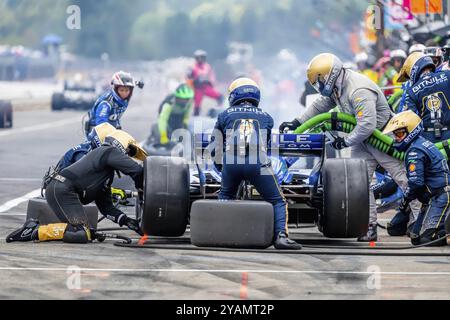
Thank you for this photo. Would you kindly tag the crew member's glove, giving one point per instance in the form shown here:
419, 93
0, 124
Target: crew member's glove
404, 207
131, 224
339, 143
290, 125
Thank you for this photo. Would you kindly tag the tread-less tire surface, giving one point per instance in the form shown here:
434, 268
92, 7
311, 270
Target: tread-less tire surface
6, 115
346, 198
166, 197
232, 224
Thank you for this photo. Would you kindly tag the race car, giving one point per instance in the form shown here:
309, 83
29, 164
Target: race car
6, 115
334, 193
76, 95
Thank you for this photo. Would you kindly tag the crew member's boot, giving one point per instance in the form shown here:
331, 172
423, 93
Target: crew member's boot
28, 232
371, 235
398, 225
282, 242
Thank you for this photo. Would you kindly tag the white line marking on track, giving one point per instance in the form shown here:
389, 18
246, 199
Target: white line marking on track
40, 127
15, 202
228, 271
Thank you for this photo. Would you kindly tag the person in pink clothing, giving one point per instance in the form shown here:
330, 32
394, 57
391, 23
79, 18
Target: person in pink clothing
203, 78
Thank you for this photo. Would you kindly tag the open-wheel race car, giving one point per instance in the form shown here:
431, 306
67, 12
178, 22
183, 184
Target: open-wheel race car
332, 192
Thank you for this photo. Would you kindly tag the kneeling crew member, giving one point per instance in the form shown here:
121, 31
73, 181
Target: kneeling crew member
242, 127
428, 174
88, 180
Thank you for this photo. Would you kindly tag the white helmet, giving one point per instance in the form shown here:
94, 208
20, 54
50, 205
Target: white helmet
123, 79
361, 57
418, 47
398, 54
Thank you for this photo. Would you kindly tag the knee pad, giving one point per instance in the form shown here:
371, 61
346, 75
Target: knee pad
77, 234
52, 232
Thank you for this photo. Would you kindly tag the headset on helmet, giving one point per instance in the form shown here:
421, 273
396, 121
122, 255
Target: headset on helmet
127, 144
98, 134
323, 72
405, 120
244, 89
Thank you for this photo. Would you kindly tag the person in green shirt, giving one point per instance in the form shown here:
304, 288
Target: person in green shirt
174, 112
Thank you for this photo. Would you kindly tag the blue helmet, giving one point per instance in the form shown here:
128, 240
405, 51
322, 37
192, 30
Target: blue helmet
244, 89
419, 66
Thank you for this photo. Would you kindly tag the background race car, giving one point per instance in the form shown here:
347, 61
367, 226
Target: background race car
77, 94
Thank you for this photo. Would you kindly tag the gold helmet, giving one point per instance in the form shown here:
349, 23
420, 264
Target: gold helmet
408, 121
414, 65
99, 133
323, 72
127, 144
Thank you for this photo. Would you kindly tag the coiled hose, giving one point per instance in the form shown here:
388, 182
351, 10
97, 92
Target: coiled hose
338, 121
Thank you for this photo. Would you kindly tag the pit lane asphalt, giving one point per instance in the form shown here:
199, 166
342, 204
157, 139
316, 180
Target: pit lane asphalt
43, 271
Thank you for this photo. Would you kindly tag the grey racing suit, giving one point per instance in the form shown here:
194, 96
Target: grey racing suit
358, 95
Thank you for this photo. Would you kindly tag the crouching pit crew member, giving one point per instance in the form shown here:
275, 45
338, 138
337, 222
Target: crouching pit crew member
246, 132
428, 174
86, 181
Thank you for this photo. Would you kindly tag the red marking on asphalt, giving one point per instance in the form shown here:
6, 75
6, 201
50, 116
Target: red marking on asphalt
143, 240
244, 282
372, 244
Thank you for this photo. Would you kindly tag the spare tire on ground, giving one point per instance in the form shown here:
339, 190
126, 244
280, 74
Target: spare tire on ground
39, 209
6, 115
232, 224
346, 198
165, 210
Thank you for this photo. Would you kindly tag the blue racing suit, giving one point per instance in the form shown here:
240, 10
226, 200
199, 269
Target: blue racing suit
430, 99
108, 108
78, 152
246, 129
428, 175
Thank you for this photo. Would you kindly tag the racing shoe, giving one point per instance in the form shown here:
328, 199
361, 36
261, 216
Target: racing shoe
282, 242
371, 235
131, 224
28, 232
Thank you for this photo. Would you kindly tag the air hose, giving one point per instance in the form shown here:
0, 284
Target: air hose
310, 250
346, 123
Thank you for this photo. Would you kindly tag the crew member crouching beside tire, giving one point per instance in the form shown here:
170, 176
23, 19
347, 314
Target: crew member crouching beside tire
88, 180
428, 175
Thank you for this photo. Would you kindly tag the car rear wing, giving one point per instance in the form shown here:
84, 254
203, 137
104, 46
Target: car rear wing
282, 144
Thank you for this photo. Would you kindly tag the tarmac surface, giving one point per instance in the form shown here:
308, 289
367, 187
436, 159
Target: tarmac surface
105, 271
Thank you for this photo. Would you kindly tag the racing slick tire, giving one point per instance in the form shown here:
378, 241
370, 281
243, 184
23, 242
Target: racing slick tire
232, 224
57, 101
166, 204
345, 198
6, 115
39, 209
